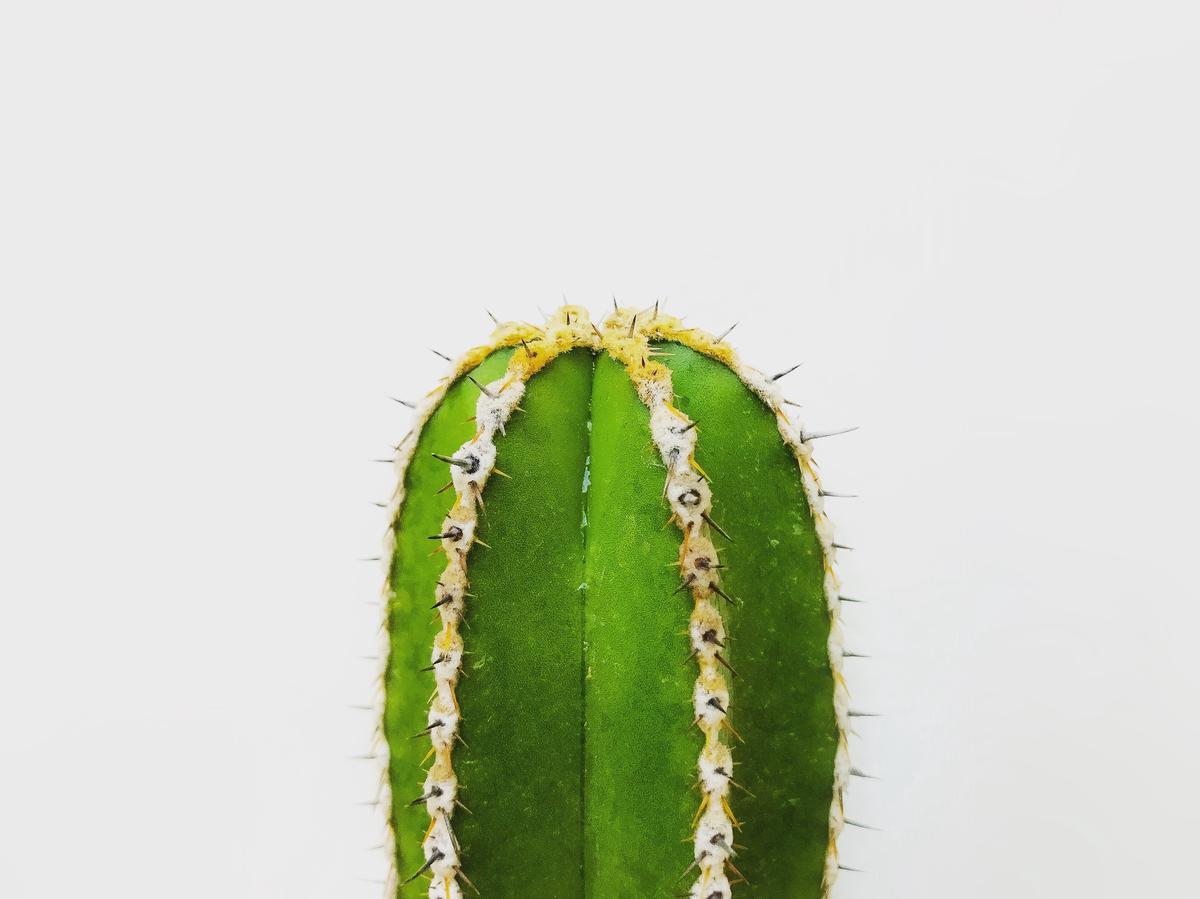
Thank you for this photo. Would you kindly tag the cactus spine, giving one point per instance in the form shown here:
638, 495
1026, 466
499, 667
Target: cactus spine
574, 730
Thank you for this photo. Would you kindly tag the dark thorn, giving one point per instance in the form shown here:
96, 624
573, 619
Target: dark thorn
597, 330
385, 461
721, 593
849, 599
687, 870
454, 532
528, 351
632, 325
721, 659
403, 402
467, 879
380, 505
615, 303
854, 714
655, 311
470, 465
453, 838
855, 870
788, 372
427, 730
855, 772
482, 389
837, 495
685, 430
792, 403
726, 334
716, 704
434, 858
710, 636
687, 583
442, 602
492, 317
858, 824
443, 355
854, 655
371, 559
842, 546
743, 789
442, 658
807, 437
432, 794
716, 527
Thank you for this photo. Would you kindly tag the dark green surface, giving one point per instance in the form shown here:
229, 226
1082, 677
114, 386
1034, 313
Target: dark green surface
782, 702
577, 703
641, 748
520, 700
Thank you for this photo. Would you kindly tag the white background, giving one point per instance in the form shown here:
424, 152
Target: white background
229, 230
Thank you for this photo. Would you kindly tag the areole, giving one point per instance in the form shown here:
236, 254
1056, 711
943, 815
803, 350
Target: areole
576, 727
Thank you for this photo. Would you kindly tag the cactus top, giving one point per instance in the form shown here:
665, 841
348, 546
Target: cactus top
597, 675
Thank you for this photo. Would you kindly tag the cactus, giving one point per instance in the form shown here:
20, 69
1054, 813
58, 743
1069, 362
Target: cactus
610, 564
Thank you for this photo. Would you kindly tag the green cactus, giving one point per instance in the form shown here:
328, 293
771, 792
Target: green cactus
628, 619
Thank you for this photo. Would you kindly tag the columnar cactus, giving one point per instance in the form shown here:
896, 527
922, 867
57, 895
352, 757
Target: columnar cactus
610, 565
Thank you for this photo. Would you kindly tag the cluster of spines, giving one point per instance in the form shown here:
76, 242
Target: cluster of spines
690, 499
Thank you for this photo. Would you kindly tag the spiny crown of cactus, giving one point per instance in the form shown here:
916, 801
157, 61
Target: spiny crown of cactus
628, 621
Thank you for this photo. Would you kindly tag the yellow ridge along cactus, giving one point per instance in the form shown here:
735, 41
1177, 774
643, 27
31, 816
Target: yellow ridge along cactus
577, 714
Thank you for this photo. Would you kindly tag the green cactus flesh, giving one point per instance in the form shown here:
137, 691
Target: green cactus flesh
576, 752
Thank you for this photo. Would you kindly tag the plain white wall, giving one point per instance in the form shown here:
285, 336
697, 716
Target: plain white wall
229, 230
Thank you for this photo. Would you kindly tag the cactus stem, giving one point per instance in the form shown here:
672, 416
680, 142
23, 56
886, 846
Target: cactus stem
625, 335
